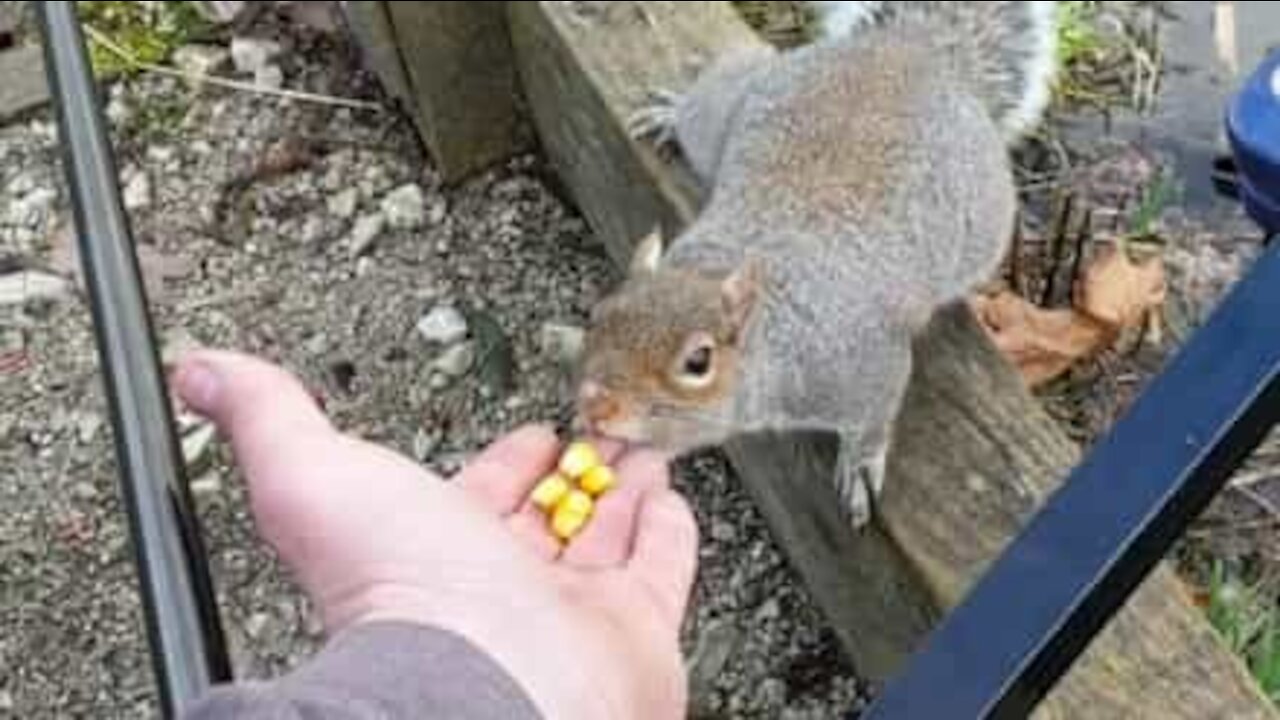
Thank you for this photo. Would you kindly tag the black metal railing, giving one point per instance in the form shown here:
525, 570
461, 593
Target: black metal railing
1074, 565
181, 613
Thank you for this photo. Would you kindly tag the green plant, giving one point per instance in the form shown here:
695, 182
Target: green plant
1078, 36
1161, 194
1249, 623
1080, 47
150, 31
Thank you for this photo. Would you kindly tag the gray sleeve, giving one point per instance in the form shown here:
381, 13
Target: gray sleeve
384, 671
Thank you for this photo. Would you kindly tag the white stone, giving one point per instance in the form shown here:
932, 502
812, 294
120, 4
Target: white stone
87, 426
39, 200
256, 625
344, 204
405, 207
249, 55
270, 77
201, 59
366, 232
31, 286
207, 485
196, 445
563, 343
444, 326
313, 231
456, 361
137, 192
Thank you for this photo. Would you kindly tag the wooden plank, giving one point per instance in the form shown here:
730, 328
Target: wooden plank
462, 86
976, 453
371, 27
24, 87
10, 15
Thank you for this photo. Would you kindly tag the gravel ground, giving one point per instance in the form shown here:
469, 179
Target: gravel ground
318, 237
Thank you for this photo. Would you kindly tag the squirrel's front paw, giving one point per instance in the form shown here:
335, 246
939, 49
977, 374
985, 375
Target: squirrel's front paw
656, 119
859, 481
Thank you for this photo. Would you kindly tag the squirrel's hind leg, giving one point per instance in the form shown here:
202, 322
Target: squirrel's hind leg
698, 119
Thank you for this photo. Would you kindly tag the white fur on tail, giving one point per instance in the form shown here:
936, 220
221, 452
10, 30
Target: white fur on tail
839, 18
1040, 76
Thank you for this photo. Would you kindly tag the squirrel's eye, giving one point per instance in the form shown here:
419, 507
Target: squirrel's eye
697, 364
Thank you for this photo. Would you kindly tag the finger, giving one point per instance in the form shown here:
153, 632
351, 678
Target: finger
533, 532
506, 472
270, 419
531, 524
665, 559
608, 537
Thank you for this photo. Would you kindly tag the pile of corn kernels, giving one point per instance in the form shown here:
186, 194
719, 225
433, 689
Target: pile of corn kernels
569, 507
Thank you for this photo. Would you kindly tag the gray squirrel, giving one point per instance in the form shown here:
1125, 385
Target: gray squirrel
857, 184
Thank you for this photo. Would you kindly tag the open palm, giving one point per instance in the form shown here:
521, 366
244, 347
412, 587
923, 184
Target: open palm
589, 630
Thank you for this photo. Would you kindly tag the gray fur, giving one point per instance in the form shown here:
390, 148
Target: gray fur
869, 174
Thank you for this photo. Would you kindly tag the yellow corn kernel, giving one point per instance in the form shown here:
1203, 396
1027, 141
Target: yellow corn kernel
550, 491
578, 458
598, 480
571, 514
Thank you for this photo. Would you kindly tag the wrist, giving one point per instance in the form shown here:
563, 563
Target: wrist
524, 639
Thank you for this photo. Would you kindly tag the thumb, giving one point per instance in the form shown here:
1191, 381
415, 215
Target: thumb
665, 559
265, 412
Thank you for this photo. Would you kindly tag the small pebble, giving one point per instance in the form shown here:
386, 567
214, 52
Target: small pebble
249, 55
137, 192
366, 232
314, 231
207, 485
456, 361
270, 77
444, 325
343, 205
201, 59
85, 491
769, 611
405, 207
256, 624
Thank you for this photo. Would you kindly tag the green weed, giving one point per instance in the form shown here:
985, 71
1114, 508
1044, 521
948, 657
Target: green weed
1249, 622
148, 31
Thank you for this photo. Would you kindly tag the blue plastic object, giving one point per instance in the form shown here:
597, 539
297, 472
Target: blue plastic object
1253, 125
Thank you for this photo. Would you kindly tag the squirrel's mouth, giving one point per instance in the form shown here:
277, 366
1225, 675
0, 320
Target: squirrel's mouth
630, 430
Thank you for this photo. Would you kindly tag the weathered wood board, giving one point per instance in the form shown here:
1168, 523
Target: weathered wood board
450, 65
23, 87
976, 453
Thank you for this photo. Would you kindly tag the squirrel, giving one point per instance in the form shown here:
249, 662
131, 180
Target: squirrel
857, 184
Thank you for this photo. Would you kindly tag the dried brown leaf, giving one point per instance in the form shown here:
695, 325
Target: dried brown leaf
1121, 293
1042, 344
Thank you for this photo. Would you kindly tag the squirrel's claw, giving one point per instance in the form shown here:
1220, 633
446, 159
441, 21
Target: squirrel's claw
859, 481
656, 119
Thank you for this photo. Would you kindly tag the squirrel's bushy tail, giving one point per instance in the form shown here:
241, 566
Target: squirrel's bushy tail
1010, 48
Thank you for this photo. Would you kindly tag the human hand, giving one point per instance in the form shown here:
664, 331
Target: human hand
590, 631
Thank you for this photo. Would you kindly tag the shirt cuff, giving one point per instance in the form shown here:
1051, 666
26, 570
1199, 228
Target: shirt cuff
380, 670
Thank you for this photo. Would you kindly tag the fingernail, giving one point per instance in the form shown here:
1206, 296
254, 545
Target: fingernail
199, 385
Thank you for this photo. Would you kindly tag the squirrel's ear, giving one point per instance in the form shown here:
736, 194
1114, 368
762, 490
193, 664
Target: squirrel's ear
648, 254
741, 292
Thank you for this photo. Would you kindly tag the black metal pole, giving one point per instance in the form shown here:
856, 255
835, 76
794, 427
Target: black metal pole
177, 593
1060, 581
